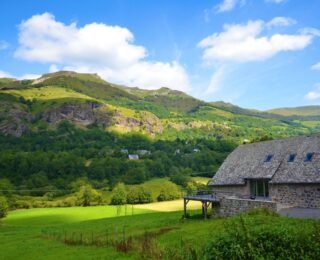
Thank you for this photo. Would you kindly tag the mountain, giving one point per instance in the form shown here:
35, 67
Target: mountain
297, 111
86, 100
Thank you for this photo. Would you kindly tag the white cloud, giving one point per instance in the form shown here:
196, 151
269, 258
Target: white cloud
228, 5
96, 47
245, 42
4, 74
316, 66
313, 95
216, 81
3, 45
281, 21
311, 31
29, 76
276, 1
53, 68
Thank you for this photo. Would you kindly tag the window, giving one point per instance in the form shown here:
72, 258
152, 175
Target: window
259, 188
308, 157
269, 158
291, 157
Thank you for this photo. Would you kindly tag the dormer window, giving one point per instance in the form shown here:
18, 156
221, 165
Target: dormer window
269, 158
292, 157
308, 157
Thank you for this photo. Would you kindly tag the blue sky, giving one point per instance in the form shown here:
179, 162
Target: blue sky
254, 53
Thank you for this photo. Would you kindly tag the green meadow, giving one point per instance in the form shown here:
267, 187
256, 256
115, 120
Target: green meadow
106, 232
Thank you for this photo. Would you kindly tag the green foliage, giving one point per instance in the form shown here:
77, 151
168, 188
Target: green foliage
6, 187
3, 207
169, 192
180, 176
119, 195
243, 241
87, 196
138, 195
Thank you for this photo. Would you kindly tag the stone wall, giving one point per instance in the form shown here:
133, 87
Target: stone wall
296, 195
233, 206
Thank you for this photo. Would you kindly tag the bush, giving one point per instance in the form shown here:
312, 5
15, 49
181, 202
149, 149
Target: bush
170, 192
243, 241
119, 195
144, 196
22, 204
139, 195
3, 207
86, 196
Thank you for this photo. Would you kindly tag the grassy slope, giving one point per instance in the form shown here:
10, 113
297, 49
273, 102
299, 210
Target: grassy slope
24, 233
181, 115
47, 93
298, 111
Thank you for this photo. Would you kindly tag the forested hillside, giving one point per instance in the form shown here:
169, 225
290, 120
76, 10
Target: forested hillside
67, 126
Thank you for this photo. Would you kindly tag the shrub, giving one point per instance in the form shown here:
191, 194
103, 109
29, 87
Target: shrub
119, 195
139, 195
3, 207
86, 197
133, 195
144, 196
22, 204
169, 193
243, 241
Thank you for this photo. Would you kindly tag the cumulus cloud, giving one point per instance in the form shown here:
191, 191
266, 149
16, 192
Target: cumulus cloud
96, 47
29, 76
4, 74
217, 78
228, 5
281, 21
313, 95
245, 42
316, 66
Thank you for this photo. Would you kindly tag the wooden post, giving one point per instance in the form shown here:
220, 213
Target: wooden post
204, 209
184, 208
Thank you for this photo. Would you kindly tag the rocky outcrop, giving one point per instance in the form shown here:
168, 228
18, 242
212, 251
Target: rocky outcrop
82, 113
145, 122
16, 119
14, 122
13, 128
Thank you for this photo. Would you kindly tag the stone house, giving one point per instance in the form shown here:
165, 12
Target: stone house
133, 157
143, 152
285, 171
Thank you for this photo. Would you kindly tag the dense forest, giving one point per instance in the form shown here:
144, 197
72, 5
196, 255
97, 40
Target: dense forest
50, 161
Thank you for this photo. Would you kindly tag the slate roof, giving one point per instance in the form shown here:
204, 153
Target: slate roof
248, 162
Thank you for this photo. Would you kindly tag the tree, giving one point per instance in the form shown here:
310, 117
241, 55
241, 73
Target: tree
133, 195
144, 196
87, 195
6, 187
119, 194
3, 207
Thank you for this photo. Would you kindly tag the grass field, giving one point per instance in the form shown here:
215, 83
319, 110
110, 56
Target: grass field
105, 232
167, 206
47, 93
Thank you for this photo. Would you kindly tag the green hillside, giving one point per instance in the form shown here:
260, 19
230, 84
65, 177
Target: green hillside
67, 128
86, 99
297, 111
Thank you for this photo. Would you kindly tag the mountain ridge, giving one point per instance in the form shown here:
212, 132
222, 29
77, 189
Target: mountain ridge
161, 113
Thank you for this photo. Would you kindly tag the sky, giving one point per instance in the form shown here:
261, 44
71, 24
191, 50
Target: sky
258, 54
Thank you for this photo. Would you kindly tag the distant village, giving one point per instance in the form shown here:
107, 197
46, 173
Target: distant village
138, 154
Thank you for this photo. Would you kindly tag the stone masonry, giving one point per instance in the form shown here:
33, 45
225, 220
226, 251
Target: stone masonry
296, 195
233, 206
